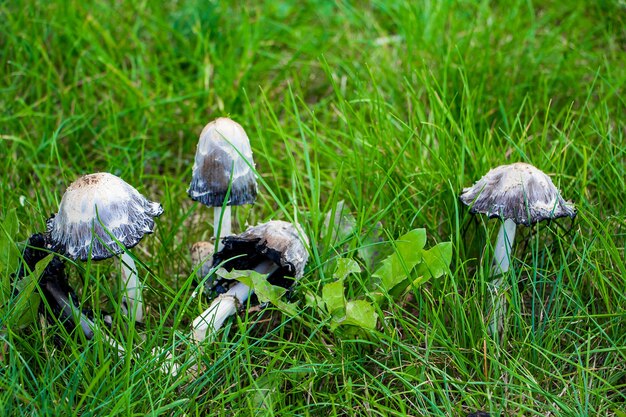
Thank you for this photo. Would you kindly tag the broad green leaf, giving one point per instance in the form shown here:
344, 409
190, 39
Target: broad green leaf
312, 300
436, 262
408, 253
22, 309
345, 267
241, 276
264, 291
334, 300
360, 313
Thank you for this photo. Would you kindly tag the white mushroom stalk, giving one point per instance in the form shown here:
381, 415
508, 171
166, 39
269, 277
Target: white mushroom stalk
101, 216
503, 247
518, 194
132, 301
275, 249
223, 164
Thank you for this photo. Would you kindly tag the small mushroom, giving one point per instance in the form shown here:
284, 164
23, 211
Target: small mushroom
223, 160
275, 248
518, 194
201, 254
101, 216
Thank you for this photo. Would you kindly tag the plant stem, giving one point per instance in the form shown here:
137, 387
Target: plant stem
221, 225
132, 301
502, 251
69, 311
501, 264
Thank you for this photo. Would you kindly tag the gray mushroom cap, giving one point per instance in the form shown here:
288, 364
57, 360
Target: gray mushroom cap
519, 192
95, 211
223, 152
280, 242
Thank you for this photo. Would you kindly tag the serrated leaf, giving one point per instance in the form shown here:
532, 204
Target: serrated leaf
345, 267
334, 300
361, 313
436, 263
408, 253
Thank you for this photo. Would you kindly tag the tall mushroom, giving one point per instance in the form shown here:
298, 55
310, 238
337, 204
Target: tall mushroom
223, 162
101, 216
275, 248
518, 194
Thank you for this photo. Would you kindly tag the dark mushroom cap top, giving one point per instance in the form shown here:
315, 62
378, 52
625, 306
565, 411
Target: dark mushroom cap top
105, 205
223, 152
519, 192
279, 241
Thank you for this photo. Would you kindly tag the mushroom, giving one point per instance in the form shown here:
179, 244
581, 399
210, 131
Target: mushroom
518, 194
223, 172
56, 290
275, 248
201, 253
101, 216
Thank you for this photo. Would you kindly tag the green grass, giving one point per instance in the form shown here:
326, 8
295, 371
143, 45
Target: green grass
392, 107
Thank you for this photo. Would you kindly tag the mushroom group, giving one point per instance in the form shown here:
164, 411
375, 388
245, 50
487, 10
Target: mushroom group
101, 216
223, 175
276, 249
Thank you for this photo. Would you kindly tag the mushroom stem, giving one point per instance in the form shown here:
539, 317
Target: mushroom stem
68, 310
502, 251
221, 225
225, 305
501, 263
132, 300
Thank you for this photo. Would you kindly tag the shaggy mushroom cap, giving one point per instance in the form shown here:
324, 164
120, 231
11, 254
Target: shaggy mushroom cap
96, 211
278, 241
223, 152
519, 192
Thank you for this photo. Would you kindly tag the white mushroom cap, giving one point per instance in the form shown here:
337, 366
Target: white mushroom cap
519, 192
280, 242
104, 205
223, 151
